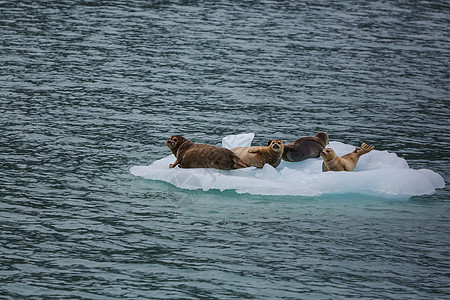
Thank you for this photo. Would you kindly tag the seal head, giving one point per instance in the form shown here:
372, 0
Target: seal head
174, 142
276, 145
327, 154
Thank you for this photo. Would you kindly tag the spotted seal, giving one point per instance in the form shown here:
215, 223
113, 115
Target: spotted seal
257, 156
191, 155
332, 162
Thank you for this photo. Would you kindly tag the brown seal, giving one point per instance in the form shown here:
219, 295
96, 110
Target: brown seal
332, 162
190, 155
305, 147
257, 156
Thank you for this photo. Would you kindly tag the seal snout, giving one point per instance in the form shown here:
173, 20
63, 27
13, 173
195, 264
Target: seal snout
276, 144
172, 141
325, 152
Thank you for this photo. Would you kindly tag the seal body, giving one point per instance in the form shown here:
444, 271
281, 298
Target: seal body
305, 147
191, 155
257, 156
332, 162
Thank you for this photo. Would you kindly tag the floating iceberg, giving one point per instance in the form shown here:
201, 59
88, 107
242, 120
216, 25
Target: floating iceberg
377, 173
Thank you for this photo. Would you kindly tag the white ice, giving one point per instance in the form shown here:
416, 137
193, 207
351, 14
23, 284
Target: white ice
378, 173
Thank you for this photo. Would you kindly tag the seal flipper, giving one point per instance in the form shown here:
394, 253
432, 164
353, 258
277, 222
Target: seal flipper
324, 167
253, 150
365, 149
177, 162
239, 163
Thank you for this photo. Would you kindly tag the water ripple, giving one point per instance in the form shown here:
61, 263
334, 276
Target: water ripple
89, 88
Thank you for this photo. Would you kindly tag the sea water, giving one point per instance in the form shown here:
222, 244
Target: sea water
90, 89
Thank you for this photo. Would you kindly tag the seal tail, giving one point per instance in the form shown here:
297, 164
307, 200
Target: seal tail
239, 163
365, 149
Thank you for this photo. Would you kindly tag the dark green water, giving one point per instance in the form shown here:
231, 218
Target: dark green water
90, 88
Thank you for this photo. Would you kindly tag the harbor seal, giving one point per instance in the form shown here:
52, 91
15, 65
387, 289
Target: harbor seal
257, 156
332, 162
191, 155
305, 147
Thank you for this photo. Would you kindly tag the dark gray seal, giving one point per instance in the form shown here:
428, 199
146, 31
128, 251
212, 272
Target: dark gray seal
305, 147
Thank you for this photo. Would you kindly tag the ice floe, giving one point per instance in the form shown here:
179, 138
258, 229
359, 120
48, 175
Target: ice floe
378, 173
